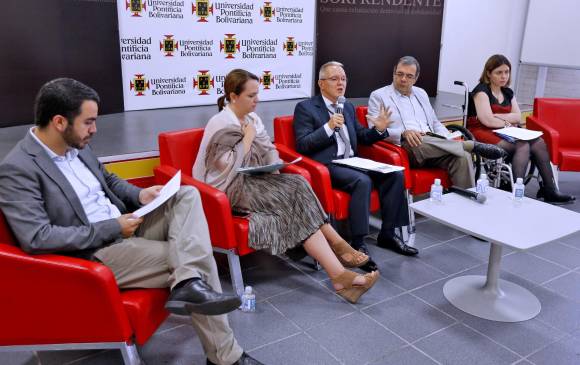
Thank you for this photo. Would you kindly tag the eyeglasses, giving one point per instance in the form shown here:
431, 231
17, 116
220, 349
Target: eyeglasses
335, 79
408, 76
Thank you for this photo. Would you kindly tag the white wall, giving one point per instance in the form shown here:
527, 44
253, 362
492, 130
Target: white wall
472, 31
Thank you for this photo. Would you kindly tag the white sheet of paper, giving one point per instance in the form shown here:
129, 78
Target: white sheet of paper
519, 133
166, 192
366, 164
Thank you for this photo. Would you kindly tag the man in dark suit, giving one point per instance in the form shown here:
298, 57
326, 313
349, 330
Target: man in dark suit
57, 197
325, 135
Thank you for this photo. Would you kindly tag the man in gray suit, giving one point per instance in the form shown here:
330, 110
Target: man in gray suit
57, 197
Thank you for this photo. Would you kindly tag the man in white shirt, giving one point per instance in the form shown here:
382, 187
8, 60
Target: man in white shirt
58, 198
414, 123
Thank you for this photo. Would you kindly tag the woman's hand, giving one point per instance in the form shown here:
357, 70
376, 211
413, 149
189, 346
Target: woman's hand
249, 131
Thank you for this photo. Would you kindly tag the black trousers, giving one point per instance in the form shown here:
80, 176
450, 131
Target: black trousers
359, 184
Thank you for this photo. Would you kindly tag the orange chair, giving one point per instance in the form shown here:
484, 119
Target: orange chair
228, 233
335, 202
417, 180
559, 119
54, 302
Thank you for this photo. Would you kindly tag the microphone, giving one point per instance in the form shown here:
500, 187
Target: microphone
339, 108
480, 198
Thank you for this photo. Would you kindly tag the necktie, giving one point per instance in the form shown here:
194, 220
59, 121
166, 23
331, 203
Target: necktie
342, 135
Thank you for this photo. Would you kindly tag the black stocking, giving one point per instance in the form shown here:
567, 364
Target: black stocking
541, 158
520, 153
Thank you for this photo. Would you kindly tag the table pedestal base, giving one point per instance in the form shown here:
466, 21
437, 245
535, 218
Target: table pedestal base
491, 298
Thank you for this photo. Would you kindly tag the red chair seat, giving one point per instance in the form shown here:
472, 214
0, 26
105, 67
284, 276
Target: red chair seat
423, 178
145, 309
569, 159
342, 201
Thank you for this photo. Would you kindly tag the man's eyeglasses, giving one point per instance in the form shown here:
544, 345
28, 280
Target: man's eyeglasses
335, 79
401, 75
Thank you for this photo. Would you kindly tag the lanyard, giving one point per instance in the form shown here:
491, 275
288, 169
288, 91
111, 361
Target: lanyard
422, 107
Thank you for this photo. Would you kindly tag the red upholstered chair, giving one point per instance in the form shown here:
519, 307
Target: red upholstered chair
559, 119
417, 181
228, 233
54, 302
335, 202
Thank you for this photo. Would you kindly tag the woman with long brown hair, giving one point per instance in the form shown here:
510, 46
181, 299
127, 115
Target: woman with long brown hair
495, 106
283, 211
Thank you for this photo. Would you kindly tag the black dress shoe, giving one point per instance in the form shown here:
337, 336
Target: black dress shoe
490, 151
370, 266
394, 243
245, 359
196, 296
554, 196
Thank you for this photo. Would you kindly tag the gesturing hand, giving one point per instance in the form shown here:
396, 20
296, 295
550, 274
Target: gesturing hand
414, 138
383, 120
147, 195
129, 224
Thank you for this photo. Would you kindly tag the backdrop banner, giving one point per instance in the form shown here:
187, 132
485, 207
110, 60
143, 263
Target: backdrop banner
369, 36
176, 53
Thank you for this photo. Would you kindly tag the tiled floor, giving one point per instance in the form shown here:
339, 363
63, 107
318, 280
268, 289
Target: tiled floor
404, 319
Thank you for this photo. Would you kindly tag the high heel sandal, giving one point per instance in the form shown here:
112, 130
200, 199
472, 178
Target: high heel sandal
350, 291
357, 258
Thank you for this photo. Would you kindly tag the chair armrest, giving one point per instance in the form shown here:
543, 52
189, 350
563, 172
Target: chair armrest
58, 299
397, 156
551, 136
216, 207
320, 177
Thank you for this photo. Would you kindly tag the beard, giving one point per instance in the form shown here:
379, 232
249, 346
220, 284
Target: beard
74, 141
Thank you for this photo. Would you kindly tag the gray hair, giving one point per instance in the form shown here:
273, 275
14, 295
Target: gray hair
323, 68
408, 60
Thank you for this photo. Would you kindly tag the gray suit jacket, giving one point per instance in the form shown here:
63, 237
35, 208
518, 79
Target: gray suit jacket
44, 211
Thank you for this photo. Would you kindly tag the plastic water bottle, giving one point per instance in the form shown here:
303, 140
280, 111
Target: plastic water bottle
482, 184
519, 189
436, 194
248, 300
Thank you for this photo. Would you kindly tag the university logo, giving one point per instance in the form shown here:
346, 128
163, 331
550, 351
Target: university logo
139, 84
267, 79
290, 46
202, 9
203, 82
267, 11
168, 45
136, 7
229, 45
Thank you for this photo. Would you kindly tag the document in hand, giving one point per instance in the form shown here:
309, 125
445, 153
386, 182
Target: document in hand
452, 135
256, 170
368, 165
519, 133
166, 192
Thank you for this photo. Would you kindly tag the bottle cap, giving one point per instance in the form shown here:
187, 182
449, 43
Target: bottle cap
248, 290
519, 180
437, 181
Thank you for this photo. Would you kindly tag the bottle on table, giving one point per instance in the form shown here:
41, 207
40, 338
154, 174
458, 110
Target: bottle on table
436, 194
482, 184
248, 300
519, 189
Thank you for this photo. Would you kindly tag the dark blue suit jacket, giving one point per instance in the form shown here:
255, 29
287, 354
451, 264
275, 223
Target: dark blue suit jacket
311, 115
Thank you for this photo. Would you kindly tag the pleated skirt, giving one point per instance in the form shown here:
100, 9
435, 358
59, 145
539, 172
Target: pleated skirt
283, 211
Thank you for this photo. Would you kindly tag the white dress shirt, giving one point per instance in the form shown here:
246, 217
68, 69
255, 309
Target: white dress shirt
96, 204
340, 143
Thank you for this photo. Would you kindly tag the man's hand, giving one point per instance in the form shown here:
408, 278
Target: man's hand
336, 121
383, 120
129, 224
414, 138
147, 195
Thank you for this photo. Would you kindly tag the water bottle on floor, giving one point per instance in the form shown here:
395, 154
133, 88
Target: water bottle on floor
436, 194
482, 184
248, 300
519, 189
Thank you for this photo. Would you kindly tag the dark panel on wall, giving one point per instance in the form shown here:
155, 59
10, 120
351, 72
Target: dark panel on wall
369, 36
43, 40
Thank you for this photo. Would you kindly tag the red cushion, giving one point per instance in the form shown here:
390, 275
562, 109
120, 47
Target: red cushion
145, 309
570, 159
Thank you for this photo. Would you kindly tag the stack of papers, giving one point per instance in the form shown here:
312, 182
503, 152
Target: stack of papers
256, 170
368, 165
518, 133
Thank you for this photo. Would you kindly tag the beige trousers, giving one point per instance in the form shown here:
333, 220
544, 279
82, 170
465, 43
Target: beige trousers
446, 154
171, 245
